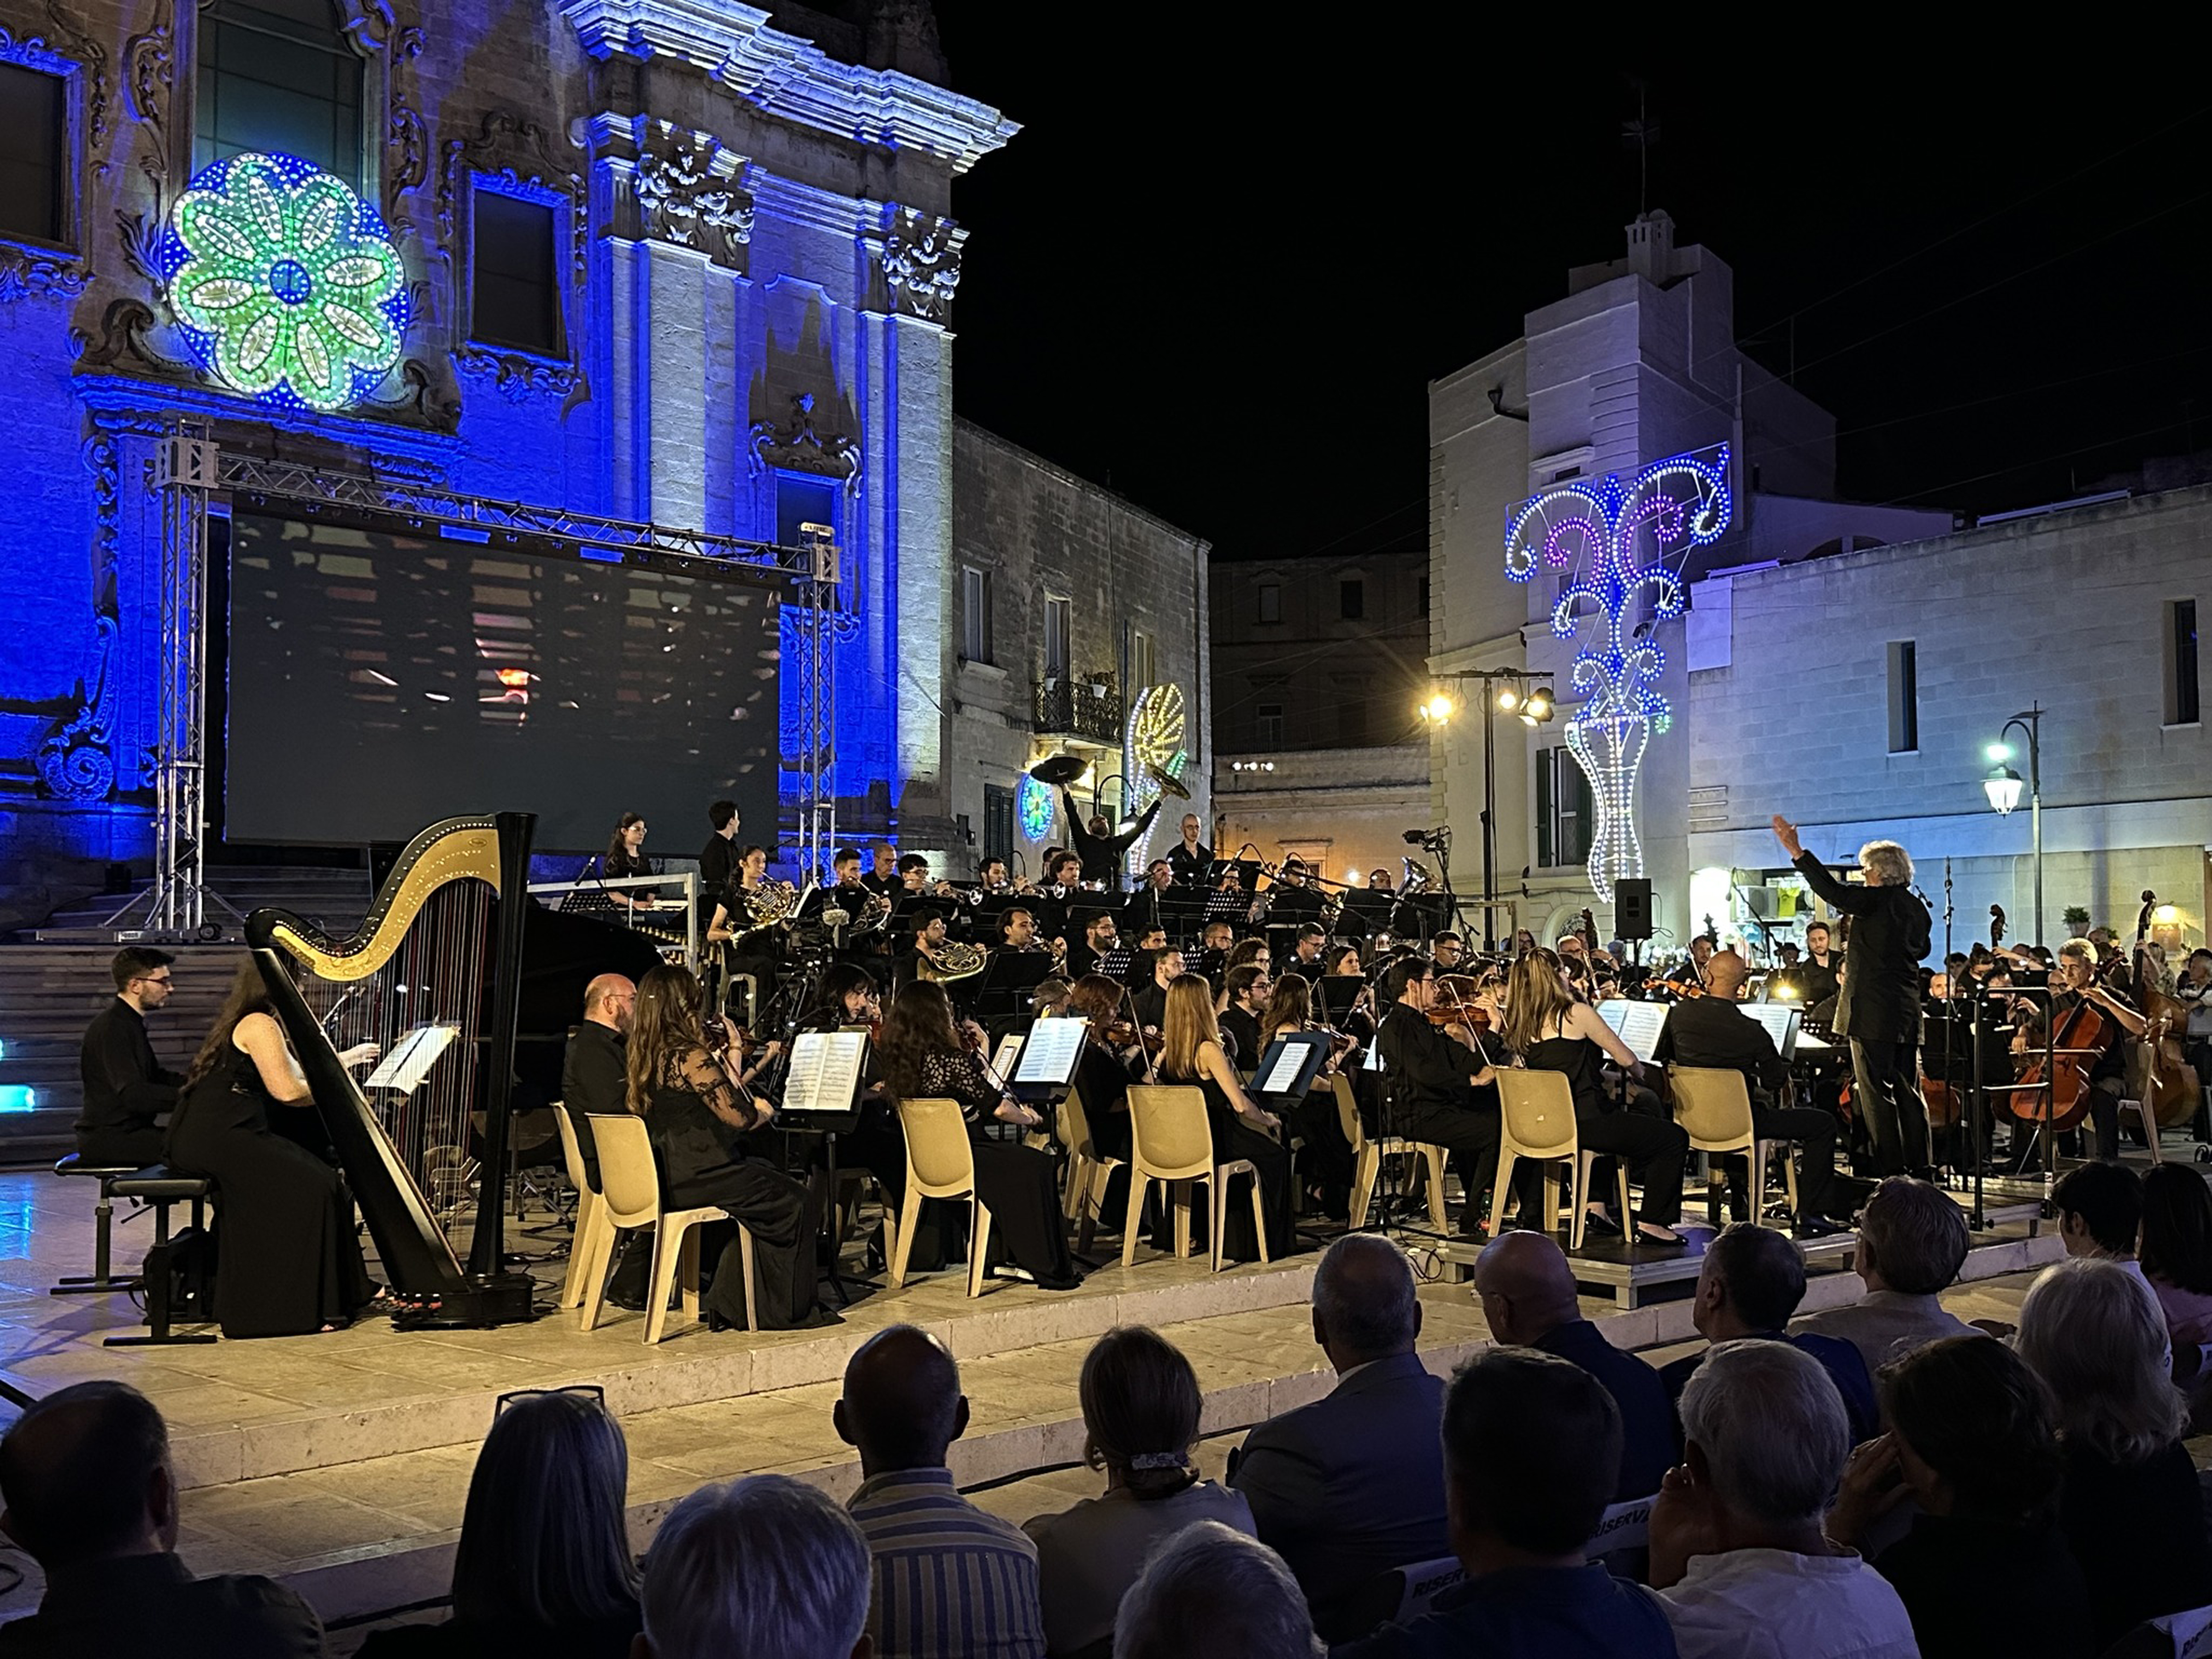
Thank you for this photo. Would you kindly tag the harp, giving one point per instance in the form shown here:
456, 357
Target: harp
413, 980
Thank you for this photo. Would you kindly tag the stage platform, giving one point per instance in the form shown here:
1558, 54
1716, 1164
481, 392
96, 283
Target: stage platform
340, 1462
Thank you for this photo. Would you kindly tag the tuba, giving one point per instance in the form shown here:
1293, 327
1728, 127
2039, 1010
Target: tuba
955, 961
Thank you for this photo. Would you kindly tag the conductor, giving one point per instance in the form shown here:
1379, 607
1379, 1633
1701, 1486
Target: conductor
1879, 1005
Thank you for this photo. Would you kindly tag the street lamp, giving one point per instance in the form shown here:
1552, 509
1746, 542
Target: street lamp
1514, 695
2002, 784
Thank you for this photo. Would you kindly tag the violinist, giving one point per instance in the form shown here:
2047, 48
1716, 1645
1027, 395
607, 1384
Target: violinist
1152, 1002
1108, 1066
1213, 942
2076, 971
1191, 1054
1324, 1158
1441, 1085
1245, 991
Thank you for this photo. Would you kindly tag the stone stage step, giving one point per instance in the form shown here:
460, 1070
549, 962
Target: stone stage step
340, 1462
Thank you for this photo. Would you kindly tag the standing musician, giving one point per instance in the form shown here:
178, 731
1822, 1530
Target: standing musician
1441, 1085
625, 857
718, 859
1712, 1030
1100, 849
1190, 858
1878, 1006
1819, 973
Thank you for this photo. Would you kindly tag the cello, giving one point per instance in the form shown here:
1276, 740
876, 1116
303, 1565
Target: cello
2083, 1034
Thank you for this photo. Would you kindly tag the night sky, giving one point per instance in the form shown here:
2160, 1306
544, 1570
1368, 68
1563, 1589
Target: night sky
1219, 266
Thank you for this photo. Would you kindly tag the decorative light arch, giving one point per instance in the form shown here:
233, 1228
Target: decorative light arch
1620, 539
1152, 747
285, 283
1034, 806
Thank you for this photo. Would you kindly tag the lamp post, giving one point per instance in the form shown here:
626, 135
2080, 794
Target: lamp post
2003, 784
1534, 705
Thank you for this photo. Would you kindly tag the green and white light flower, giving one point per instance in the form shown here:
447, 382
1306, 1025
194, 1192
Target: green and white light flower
286, 281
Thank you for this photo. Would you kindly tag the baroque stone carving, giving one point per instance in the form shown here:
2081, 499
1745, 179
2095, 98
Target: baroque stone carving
516, 376
518, 152
148, 65
75, 758
687, 195
794, 444
920, 260
25, 272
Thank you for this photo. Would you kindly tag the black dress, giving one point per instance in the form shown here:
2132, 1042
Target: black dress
1019, 1185
1235, 1140
1654, 1148
289, 1261
1974, 1586
695, 1117
2138, 1531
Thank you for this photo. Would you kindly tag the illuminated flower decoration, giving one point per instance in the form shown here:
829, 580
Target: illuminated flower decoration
1152, 747
287, 283
1035, 806
1623, 542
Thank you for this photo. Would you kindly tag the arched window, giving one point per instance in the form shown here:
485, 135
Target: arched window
281, 76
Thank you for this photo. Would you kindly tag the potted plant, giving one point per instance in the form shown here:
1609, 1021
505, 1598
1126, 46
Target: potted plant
2076, 920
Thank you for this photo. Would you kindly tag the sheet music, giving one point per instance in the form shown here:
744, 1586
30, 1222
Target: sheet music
825, 1071
411, 1058
1052, 1050
1780, 1020
1373, 1061
1638, 1024
1000, 1064
1288, 1056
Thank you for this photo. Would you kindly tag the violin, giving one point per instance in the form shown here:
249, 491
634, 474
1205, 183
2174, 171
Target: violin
1456, 1003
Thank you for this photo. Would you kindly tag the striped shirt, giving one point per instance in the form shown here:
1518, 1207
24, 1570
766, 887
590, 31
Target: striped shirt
949, 1581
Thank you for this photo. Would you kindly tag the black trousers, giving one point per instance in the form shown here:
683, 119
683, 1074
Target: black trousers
116, 1149
1324, 1156
1885, 1084
2104, 1095
1815, 1133
1471, 1136
1653, 1148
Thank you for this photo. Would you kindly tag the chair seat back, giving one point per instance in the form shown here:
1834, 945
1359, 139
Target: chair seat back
572, 1151
940, 1162
1169, 1135
630, 1182
1537, 1109
1075, 1124
1713, 1105
1348, 1113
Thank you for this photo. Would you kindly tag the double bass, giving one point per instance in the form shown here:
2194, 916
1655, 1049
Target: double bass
2169, 1084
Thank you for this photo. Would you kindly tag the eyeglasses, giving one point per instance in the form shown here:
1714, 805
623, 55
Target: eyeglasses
153, 979
592, 1391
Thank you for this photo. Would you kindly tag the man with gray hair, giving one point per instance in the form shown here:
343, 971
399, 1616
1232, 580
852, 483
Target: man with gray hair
764, 1568
1737, 1552
1352, 1485
1210, 1589
1912, 1241
1878, 1007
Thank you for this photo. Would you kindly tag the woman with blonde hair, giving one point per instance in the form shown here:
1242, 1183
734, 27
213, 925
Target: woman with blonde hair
1191, 1053
1550, 1031
698, 1114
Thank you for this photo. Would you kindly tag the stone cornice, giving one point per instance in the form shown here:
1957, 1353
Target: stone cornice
793, 79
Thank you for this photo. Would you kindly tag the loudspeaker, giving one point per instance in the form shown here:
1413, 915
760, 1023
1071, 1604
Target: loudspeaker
1632, 908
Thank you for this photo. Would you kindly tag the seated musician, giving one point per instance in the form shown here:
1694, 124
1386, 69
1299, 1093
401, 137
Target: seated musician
2076, 970
1712, 1030
1229, 900
1149, 905
929, 940
913, 878
845, 877
1100, 936
1049, 999
127, 1091
595, 1083
698, 1115
1447, 951
1138, 977
1245, 991
1190, 858
1324, 1158
745, 948
1342, 962
1291, 898
1438, 1089
1820, 975
923, 1058
1213, 942
885, 878
1063, 874
1017, 931
625, 857
1379, 880
290, 1262
1152, 1001
1306, 955
1105, 1071
992, 879
1191, 1054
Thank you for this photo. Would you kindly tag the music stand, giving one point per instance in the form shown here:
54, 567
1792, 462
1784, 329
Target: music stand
1009, 977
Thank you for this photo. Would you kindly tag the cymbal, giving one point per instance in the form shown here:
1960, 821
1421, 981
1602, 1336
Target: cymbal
1058, 770
1171, 784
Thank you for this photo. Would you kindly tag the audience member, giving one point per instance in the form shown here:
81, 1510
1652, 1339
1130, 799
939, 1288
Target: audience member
91, 1497
1352, 1485
1736, 1546
2131, 1508
1912, 1241
127, 1091
1532, 1453
2100, 1209
2176, 1254
1750, 1283
1527, 1295
1140, 1410
949, 1581
543, 1568
1211, 1590
764, 1568
1973, 1442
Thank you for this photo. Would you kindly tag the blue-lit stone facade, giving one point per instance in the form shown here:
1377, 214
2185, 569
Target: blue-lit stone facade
753, 267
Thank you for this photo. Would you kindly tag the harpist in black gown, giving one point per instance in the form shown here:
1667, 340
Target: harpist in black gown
288, 1257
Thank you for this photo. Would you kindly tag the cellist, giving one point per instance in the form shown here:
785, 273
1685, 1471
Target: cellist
2076, 973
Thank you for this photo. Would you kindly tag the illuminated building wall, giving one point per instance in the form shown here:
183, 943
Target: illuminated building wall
666, 261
